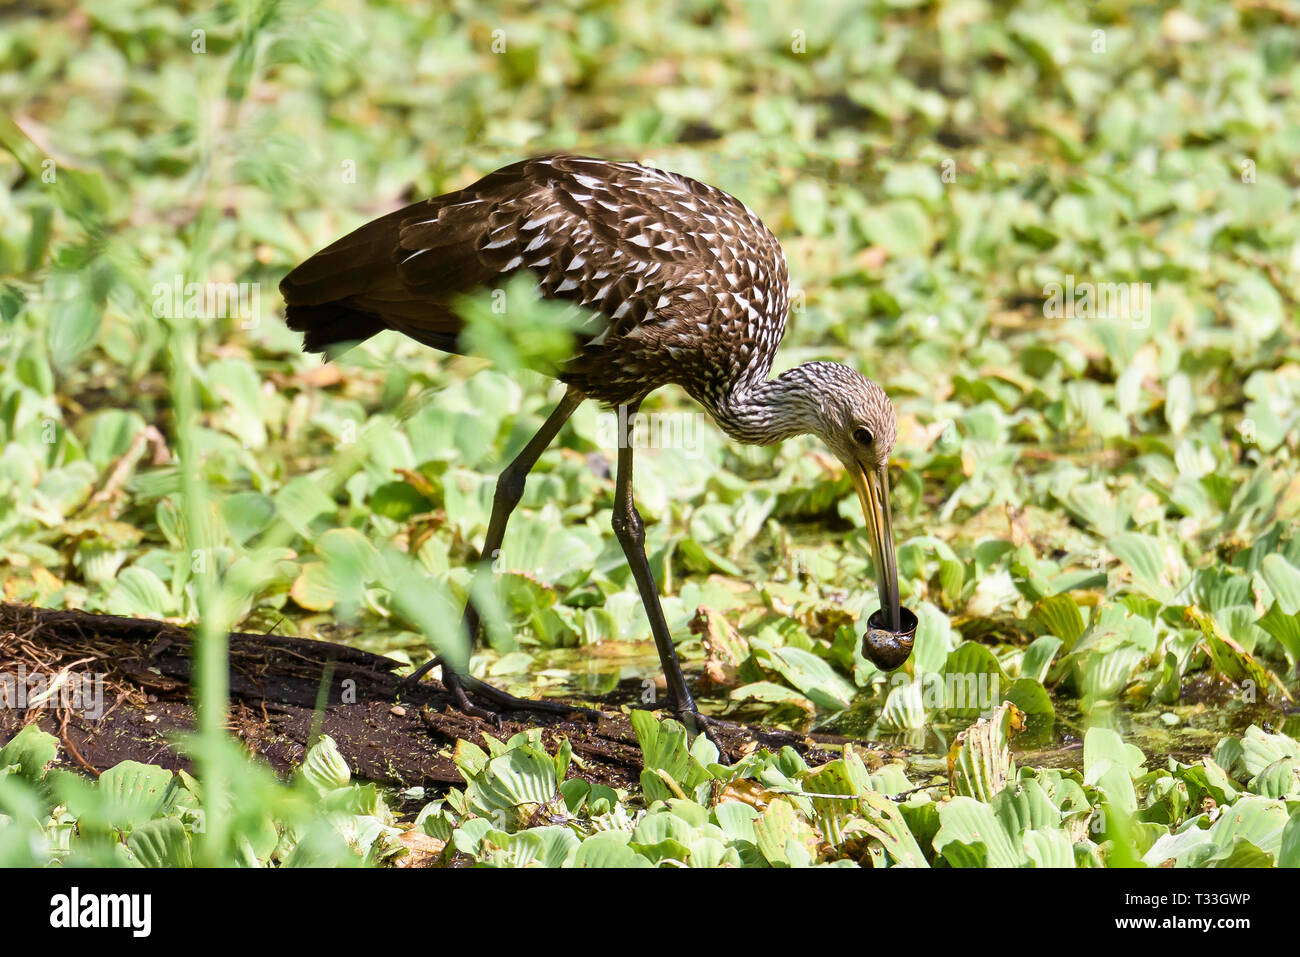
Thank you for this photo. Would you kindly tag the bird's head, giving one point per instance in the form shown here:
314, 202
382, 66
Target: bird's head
855, 419
857, 422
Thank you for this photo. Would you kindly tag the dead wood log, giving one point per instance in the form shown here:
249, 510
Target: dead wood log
144, 667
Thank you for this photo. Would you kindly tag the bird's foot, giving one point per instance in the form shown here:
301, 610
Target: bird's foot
697, 723
407, 685
497, 701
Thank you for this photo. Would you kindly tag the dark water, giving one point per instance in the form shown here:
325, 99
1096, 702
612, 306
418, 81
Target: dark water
1187, 730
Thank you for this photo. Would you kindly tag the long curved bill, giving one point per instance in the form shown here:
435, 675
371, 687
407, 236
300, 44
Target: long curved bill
873, 493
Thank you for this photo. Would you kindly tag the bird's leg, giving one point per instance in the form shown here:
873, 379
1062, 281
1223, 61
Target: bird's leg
630, 531
509, 491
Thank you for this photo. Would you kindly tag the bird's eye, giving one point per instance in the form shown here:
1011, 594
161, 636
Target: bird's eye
863, 436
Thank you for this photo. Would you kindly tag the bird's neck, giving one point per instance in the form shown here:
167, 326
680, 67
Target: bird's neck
762, 411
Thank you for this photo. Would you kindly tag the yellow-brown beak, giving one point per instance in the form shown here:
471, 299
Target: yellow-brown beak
873, 493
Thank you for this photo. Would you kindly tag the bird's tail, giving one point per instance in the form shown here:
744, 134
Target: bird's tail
330, 323
324, 296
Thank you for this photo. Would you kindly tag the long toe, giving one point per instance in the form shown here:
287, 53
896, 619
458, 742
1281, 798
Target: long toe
407, 685
508, 702
501, 701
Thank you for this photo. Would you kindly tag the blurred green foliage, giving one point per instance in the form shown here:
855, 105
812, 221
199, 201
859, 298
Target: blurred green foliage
520, 808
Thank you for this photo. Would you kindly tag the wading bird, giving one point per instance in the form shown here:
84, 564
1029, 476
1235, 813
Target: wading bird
692, 289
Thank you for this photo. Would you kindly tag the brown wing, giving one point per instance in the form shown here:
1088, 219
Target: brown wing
668, 260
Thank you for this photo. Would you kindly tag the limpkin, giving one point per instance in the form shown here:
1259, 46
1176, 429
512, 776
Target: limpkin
692, 288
